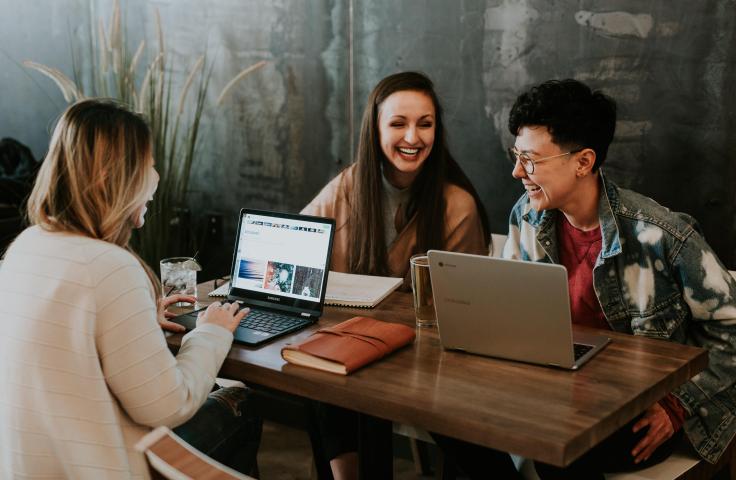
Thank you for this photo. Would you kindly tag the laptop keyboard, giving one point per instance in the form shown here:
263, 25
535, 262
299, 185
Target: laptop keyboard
579, 349
270, 322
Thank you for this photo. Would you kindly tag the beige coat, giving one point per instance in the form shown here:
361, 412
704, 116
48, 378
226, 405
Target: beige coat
462, 225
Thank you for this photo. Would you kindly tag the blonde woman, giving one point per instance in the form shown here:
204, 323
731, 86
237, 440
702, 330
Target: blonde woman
85, 370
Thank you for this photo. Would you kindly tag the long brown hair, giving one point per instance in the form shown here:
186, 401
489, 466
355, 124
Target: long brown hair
96, 175
369, 253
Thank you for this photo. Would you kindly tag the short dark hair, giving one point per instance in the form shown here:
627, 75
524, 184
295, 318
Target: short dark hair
575, 115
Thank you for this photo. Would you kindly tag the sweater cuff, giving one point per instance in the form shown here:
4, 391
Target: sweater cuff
675, 411
210, 329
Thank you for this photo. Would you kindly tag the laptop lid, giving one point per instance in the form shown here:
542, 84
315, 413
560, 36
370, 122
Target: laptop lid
505, 308
281, 261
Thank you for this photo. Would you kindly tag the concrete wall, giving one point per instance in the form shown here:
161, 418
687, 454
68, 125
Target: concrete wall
671, 64
29, 104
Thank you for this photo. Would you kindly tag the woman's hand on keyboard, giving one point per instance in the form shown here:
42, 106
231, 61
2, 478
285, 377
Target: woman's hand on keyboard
225, 315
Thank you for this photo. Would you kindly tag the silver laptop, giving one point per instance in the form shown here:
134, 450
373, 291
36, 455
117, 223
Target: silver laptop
508, 309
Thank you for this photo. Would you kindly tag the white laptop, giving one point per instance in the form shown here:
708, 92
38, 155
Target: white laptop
508, 309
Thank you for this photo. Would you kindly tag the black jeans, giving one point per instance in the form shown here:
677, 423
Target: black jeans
474, 461
338, 429
225, 429
341, 431
611, 455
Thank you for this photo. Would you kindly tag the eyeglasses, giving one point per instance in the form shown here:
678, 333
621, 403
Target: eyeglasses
528, 163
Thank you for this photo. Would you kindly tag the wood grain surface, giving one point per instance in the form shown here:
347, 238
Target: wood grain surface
541, 413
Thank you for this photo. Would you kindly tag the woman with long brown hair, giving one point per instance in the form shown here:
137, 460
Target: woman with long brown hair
86, 370
404, 194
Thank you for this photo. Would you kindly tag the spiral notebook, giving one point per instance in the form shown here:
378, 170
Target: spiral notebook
347, 289
364, 291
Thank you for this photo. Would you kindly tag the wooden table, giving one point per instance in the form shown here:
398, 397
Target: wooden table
540, 413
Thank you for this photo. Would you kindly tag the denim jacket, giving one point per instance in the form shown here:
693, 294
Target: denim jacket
656, 276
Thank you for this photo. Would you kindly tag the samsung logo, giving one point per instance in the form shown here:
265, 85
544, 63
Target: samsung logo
458, 301
275, 299
443, 264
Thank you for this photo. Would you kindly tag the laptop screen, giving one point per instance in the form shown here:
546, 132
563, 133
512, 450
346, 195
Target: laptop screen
282, 259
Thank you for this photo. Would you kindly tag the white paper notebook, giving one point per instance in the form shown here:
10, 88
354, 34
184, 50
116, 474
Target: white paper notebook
221, 291
365, 291
346, 289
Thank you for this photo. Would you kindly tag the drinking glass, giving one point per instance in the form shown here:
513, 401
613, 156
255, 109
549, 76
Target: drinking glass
421, 288
179, 275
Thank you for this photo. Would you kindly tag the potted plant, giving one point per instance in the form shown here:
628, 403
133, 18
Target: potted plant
174, 117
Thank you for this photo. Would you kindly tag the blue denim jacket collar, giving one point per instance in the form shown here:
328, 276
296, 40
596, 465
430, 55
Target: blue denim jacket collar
608, 205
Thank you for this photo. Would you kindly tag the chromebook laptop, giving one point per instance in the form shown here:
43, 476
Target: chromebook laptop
279, 270
508, 309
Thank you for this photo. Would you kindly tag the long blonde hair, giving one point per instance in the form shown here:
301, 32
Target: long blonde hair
96, 175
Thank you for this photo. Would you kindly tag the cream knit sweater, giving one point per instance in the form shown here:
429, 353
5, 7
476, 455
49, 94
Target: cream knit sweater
84, 366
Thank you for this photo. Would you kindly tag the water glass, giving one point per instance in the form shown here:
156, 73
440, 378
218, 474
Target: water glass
179, 275
421, 287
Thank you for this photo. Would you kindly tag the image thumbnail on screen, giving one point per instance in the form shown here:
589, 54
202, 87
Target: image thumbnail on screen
279, 277
251, 273
308, 281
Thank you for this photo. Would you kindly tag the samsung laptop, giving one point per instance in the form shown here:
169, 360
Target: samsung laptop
279, 270
508, 309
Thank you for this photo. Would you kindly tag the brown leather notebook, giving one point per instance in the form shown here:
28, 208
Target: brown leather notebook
349, 345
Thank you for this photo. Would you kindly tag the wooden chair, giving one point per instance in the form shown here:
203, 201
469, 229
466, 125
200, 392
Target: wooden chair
169, 457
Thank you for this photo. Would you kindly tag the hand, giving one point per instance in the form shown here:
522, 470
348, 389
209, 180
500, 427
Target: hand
163, 315
225, 315
660, 429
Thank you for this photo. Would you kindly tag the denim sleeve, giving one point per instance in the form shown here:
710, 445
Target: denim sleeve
512, 248
710, 292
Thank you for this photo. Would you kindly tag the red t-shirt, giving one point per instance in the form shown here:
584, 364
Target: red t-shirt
578, 251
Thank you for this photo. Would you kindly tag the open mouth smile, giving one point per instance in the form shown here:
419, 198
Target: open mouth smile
408, 151
533, 190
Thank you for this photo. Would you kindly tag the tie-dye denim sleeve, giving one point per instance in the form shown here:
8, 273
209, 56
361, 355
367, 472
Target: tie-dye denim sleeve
512, 247
522, 242
521, 233
709, 290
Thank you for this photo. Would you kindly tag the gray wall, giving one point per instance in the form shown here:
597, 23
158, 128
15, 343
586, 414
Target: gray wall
671, 64
29, 104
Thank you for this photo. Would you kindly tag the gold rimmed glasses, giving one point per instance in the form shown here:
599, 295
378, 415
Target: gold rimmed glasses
528, 162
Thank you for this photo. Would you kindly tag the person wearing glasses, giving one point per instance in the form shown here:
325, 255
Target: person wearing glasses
633, 266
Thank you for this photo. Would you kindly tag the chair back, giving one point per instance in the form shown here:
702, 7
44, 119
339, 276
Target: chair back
171, 458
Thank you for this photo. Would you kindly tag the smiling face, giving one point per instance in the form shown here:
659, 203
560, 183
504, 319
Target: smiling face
406, 126
553, 185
